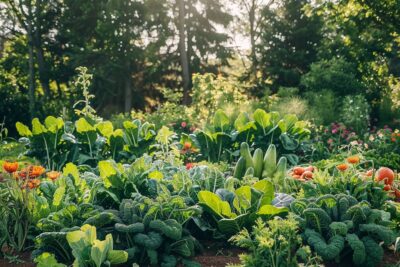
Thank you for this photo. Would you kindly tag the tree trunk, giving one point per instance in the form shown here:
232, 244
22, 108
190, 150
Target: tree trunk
183, 52
253, 56
31, 78
128, 94
43, 71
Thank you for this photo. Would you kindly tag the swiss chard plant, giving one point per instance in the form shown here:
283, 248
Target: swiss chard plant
231, 211
220, 141
89, 251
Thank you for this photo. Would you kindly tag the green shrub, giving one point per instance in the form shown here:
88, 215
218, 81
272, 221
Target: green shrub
322, 106
335, 74
355, 113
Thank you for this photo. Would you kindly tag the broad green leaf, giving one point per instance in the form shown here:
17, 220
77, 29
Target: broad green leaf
48, 260
271, 210
242, 200
116, 142
72, 169
241, 121
38, 127
262, 118
23, 130
290, 120
213, 202
130, 125
106, 169
99, 252
105, 128
221, 120
90, 233
287, 142
282, 126
117, 257
234, 225
110, 173
58, 196
53, 124
83, 126
77, 240
267, 188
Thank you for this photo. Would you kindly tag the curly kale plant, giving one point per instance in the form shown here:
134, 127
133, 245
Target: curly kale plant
152, 238
341, 229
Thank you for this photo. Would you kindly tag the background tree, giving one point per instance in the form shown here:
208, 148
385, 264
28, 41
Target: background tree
202, 38
248, 22
289, 42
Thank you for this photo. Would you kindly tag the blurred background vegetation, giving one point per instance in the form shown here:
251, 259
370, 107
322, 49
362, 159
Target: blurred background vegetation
323, 60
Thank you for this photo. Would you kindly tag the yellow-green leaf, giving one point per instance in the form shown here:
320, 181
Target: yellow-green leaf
83, 126
53, 124
23, 130
72, 169
38, 127
105, 128
156, 175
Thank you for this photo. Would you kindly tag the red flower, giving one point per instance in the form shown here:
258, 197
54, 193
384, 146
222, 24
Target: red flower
183, 124
189, 165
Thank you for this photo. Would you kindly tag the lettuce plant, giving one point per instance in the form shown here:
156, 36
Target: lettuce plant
89, 251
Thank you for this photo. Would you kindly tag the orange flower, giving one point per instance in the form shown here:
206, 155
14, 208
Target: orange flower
34, 183
36, 171
342, 167
10, 167
353, 159
31, 172
187, 145
53, 175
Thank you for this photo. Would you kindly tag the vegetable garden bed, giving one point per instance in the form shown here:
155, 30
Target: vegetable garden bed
95, 195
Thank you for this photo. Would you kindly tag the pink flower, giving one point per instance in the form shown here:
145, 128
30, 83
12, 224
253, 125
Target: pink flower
334, 131
330, 141
183, 124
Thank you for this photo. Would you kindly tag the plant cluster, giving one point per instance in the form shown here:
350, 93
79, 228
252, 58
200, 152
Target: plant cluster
339, 228
130, 193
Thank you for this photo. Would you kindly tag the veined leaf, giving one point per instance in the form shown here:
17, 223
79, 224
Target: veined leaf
271, 210
262, 118
221, 120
